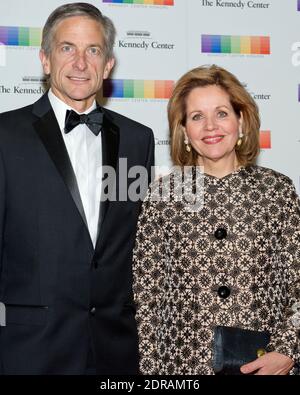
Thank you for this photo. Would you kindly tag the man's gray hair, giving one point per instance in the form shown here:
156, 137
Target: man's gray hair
79, 9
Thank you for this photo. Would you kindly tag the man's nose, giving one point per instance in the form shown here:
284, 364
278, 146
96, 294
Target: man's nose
80, 61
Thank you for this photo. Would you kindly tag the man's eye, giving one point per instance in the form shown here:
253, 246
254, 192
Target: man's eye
67, 48
94, 51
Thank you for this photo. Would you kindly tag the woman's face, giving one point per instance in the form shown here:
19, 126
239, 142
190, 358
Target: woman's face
212, 126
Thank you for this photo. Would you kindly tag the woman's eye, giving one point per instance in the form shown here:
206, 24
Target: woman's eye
196, 117
222, 114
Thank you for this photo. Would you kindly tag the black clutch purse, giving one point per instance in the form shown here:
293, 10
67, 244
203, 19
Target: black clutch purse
234, 347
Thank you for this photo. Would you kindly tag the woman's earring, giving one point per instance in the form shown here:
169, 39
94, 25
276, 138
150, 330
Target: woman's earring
240, 139
187, 145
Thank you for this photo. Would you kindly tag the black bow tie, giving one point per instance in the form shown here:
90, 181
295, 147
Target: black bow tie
93, 120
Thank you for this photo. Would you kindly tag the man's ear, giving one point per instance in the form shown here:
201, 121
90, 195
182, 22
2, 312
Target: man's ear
108, 67
45, 62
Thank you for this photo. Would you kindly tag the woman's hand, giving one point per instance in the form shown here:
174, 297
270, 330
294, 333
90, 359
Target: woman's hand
271, 363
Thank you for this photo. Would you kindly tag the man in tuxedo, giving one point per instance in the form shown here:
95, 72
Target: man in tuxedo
65, 250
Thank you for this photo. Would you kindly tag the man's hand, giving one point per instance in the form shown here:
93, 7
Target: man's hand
271, 363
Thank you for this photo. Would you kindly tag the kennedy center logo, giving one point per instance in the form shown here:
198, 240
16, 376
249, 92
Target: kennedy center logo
137, 89
20, 36
265, 139
250, 45
142, 2
140, 39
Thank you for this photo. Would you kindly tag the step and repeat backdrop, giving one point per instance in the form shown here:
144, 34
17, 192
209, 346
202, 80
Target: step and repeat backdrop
158, 41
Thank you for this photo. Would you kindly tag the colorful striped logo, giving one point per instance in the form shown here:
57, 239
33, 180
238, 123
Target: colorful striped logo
144, 2
265, 139
253, 45
138, 89
21, 36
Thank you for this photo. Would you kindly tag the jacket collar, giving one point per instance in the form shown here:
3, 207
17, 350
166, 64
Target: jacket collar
49, 132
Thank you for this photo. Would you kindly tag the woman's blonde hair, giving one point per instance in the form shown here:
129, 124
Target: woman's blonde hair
241, 101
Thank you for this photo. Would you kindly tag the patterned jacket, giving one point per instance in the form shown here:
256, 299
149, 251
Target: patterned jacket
234, 262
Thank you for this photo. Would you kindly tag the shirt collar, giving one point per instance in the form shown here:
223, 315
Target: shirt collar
60, 108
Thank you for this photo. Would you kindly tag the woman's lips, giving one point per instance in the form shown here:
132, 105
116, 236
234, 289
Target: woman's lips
212, 139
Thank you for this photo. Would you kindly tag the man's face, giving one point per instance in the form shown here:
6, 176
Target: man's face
77, 63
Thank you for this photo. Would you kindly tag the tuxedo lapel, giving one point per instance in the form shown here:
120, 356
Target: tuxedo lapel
110, 153
48, 130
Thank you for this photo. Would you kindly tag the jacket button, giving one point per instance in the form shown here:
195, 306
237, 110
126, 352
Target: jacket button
220, 233
93, 310
223, 292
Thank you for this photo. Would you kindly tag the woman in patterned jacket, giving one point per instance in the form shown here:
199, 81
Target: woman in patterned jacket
234, 261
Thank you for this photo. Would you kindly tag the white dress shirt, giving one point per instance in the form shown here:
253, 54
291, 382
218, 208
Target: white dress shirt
85, 152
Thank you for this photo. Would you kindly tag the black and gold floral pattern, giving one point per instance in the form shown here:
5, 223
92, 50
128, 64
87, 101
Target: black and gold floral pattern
180, 265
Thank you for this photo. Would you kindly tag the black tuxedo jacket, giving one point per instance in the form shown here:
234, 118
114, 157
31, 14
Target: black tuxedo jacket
62, 295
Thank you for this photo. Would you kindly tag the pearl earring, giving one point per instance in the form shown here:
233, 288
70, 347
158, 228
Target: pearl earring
240, 139
187, 145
